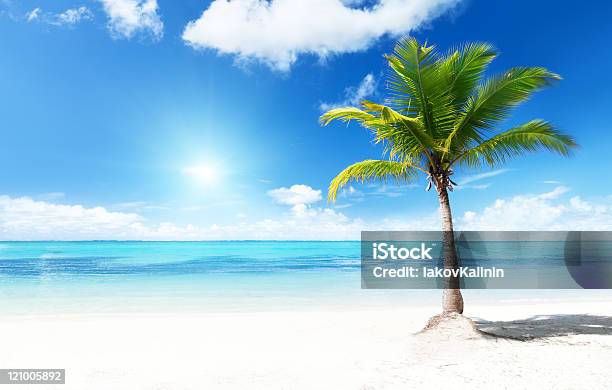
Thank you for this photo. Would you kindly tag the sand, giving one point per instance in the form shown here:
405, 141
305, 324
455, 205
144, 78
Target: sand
563, 345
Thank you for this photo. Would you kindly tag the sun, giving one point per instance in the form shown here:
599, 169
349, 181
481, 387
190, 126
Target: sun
205, 174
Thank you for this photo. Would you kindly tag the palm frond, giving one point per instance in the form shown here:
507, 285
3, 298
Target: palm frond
418, 86
346, 114
494, 100
440, 113
465, 66
399, 133
372, 170
403, 132
529, 137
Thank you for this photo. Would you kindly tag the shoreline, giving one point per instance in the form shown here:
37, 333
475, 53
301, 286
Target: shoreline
273, 302
474, 310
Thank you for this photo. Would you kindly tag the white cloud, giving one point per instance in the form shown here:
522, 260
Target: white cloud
342, 206
297, 194
353, 96
350, 192
475, 186
577, 203
464, 182
23, 218
391, 190
545, 211
70, 16
33, 15
554, 194
74, 15
276, 32
126, 18
470, 179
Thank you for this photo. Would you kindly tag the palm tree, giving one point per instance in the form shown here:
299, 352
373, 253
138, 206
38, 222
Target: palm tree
443, 114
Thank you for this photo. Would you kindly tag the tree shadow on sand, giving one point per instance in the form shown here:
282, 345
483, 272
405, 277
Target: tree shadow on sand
544, 326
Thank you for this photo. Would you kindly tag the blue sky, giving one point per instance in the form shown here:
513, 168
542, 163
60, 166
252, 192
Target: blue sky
145, 119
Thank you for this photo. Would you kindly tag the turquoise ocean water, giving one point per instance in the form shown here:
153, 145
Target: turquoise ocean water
49, 277
106, 275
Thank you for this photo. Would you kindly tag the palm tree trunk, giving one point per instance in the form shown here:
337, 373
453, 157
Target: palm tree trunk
452, 301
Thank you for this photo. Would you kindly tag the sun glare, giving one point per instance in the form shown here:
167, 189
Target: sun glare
202, 173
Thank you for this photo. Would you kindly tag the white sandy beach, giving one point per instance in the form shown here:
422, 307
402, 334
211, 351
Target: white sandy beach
569, 347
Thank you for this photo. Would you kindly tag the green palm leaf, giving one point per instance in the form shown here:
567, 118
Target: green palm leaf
400, 134
418, 86
529, 137
493, 101
403, 133
372, 170
441, 113
346, 114
465, 66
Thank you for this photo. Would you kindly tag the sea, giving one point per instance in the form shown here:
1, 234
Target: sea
133, 276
